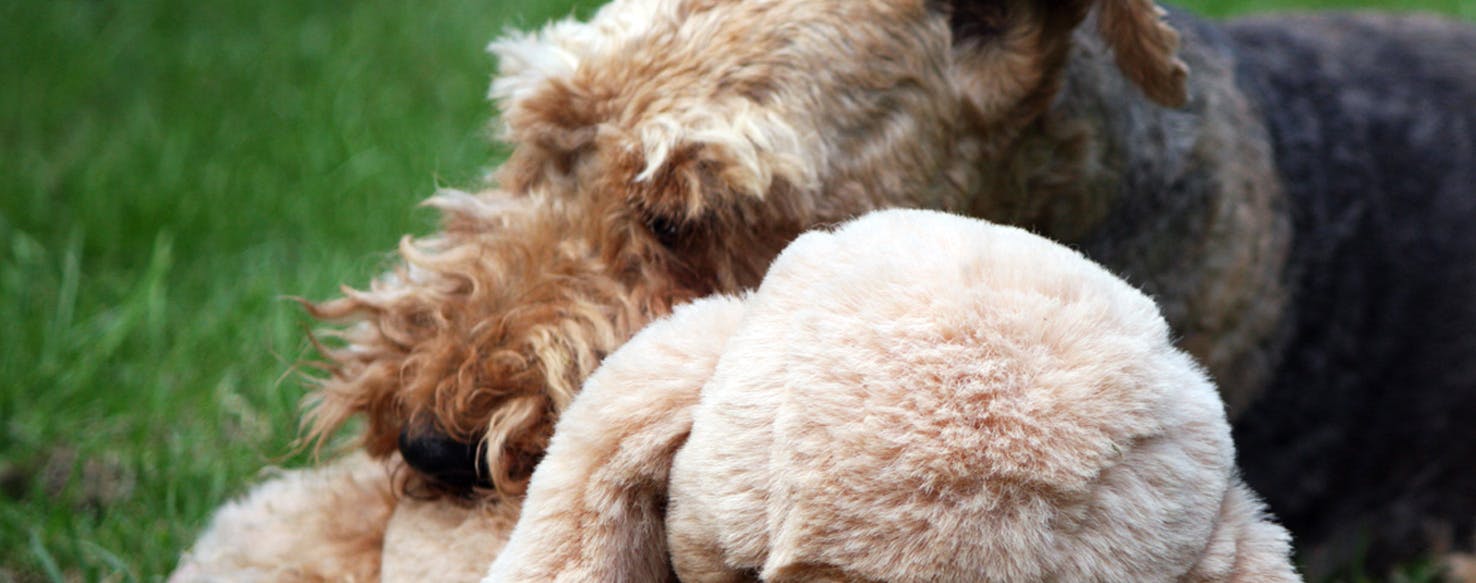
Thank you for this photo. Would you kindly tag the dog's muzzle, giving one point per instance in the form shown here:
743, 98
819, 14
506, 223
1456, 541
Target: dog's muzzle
450, 463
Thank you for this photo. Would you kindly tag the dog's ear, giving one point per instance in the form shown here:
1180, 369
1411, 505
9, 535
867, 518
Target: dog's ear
668, 176
676, 168
1145, 47
541, 109
552, 126
595, 506
1011, 54
680, 169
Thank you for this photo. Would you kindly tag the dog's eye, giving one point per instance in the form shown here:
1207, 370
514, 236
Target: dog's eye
666, 231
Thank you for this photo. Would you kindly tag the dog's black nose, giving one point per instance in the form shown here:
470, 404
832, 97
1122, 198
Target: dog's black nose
451, 463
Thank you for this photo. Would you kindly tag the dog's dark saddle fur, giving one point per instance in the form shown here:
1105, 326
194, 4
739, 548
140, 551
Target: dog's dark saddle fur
1364, 440
1373, 123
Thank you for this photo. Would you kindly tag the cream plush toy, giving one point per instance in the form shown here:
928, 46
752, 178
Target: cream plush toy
345, 522
912, 397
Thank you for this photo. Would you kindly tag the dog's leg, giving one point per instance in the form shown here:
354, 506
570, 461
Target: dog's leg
321, 524
595, 505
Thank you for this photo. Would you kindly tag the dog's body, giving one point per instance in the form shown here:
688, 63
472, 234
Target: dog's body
1299, 211
1359, 386
1370, 414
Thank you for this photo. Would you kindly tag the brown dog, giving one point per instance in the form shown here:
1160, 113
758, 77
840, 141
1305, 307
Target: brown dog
678, 166
668, 149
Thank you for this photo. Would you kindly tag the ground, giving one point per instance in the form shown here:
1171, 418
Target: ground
170, 171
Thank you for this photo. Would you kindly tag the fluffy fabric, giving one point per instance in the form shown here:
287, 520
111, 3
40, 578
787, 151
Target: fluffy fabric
322, 524
432, 540
914, 397
344, 522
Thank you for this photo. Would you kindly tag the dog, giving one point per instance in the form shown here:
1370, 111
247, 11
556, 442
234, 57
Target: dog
672, 169
1295, 193
913, 397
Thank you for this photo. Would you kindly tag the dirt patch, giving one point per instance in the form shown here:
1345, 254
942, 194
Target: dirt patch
63, 474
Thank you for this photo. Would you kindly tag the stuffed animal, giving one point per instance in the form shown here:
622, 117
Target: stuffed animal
912, 397
349, 520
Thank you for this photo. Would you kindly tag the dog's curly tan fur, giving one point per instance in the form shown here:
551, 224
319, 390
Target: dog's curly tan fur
490, 326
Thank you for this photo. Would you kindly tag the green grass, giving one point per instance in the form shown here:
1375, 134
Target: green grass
169, 170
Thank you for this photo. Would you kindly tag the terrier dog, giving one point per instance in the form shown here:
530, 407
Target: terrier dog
1295, 193
668, 149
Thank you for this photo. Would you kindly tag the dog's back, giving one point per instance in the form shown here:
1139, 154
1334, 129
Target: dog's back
1370, 419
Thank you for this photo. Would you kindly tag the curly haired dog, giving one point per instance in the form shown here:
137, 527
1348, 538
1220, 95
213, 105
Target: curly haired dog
1299, 205
913, 397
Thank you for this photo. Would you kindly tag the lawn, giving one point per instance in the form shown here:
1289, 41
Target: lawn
170, 171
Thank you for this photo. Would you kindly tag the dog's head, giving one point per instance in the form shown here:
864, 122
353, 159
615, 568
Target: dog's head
814, 110
668, 149
461, 356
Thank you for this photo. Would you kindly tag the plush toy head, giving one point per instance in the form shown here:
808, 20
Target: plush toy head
913, 397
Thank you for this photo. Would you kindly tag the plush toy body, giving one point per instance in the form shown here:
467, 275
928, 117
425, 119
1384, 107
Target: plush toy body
318, 524
344, 522
914, 397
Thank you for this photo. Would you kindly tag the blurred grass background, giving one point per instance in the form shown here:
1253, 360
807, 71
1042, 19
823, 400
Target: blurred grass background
169, 170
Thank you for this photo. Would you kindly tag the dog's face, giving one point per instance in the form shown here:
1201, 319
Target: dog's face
665, 150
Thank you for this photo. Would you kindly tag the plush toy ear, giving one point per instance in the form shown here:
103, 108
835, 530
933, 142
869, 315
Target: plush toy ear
1246, 544
596, 504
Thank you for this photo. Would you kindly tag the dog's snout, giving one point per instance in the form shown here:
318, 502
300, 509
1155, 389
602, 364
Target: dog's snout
450, 462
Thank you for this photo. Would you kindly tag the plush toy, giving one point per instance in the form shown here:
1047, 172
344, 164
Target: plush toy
912, 397
346, 521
